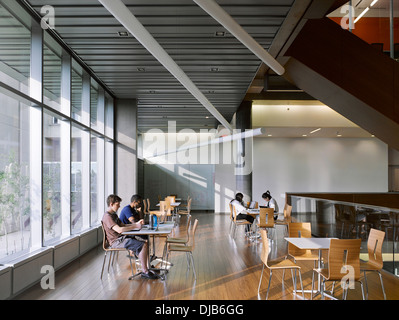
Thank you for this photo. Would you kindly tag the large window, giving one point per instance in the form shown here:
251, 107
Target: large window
54, 169
15, 219
77, 88
52, 220
15, 46
97, 195
52, 72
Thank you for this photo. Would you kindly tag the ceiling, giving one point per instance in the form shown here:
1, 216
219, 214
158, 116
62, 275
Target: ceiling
220, 66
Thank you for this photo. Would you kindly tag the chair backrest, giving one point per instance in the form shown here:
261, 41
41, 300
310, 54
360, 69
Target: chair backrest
189, 205
374, 247
299, 230
266, 217
265, 247
188, 227
287, 212
167, 202
344, 252
231, 212
172, 198
193, 231
148, 204
144, 207
105, 240
162, 206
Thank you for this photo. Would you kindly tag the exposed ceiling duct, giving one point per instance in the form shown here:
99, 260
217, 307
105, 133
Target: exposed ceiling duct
118, 9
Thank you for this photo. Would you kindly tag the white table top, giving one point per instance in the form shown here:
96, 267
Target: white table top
310, 243
173, 204
163, 229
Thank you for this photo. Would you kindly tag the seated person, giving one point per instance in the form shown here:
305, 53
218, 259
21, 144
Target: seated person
241, 210
132, 212
270, 202
114, 228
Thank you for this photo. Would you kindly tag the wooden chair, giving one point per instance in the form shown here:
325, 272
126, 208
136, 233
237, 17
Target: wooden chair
287, 218
300, 230
112, 251
276, 265
188, 249
188, 209
266, 219
343, 256
174, 240
237, 222
375, 262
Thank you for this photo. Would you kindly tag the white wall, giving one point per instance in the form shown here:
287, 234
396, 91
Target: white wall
318, 165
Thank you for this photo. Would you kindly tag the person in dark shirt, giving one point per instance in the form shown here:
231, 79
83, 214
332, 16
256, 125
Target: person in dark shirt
132, 213
114, 228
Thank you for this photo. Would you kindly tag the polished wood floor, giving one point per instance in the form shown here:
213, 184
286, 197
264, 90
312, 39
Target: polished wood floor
227, 269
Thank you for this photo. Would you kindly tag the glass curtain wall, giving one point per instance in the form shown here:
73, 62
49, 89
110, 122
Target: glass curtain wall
15, 218
56, 165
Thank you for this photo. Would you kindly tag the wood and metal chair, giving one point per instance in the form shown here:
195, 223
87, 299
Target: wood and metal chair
188, 209
276, 265
188, 249
266, 220
343, 265
112, 251
375, 262
301, 230
177, 240
237, 222
286, 219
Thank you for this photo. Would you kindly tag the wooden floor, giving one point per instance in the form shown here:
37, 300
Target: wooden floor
227, 269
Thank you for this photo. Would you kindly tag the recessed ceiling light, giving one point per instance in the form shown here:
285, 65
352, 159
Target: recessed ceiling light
220, 34
141, 69
123, 33
211, 91
270, 135
314, 131
151, 91
304, 135
215, 69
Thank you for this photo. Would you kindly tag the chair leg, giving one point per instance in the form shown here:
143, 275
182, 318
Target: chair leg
365, 282
361, 284
382, 285
268, 286
130, 260
192, 263
102, 270
300, 279
311, 292
110, 258
260, 280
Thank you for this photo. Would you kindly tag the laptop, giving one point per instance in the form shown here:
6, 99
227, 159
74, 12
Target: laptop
252, 205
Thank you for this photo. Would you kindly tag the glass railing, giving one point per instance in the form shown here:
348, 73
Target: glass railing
374, 21
349, 220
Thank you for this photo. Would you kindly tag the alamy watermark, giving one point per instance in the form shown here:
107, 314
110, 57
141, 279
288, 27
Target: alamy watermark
47, 282
206, 147
48, 17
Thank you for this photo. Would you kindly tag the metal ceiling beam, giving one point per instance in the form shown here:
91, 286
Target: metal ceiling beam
119, 10
221, 16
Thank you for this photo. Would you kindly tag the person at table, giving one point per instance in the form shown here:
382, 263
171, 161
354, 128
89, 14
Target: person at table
114, 228
269, 201
241, 211
132, 213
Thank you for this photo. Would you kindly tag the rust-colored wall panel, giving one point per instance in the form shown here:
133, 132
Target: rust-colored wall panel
349, 62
